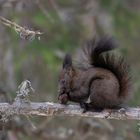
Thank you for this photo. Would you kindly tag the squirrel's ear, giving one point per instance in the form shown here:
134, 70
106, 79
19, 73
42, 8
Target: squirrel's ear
67, 61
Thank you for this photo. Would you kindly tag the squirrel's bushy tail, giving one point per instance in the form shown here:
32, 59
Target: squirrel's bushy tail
93, 52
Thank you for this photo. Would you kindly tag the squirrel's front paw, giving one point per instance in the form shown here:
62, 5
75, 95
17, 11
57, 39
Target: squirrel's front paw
63, 98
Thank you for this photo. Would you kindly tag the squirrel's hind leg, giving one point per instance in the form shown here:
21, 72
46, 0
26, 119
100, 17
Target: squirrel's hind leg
84, 106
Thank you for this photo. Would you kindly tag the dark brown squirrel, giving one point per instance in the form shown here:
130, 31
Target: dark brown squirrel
105, 83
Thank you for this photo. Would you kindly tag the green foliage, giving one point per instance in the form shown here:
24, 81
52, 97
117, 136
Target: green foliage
39, 59
125, 21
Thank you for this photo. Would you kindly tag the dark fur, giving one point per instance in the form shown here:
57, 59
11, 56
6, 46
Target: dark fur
106, 83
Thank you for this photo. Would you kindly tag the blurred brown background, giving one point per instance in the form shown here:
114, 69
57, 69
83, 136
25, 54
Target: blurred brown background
66, 25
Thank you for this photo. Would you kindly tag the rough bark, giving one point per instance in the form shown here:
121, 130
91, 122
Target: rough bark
55, 109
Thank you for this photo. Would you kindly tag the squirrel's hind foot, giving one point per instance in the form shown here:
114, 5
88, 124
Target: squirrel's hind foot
88, 107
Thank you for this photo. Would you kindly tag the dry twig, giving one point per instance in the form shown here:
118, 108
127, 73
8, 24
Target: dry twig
23, 32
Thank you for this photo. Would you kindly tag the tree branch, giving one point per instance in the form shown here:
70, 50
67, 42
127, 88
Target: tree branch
23, 106
55, 109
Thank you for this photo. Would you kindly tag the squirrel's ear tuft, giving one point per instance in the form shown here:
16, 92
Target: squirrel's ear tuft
67, 61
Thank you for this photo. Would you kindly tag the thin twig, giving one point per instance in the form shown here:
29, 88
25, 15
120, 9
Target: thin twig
44, 10
23, 32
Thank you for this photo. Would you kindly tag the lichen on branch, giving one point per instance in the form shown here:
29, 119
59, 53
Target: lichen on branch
24, 32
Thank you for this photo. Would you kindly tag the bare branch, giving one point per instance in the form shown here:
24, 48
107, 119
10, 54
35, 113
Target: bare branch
55, 109
22, 106
23, 32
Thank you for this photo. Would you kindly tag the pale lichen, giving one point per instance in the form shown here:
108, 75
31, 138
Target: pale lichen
23, 92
